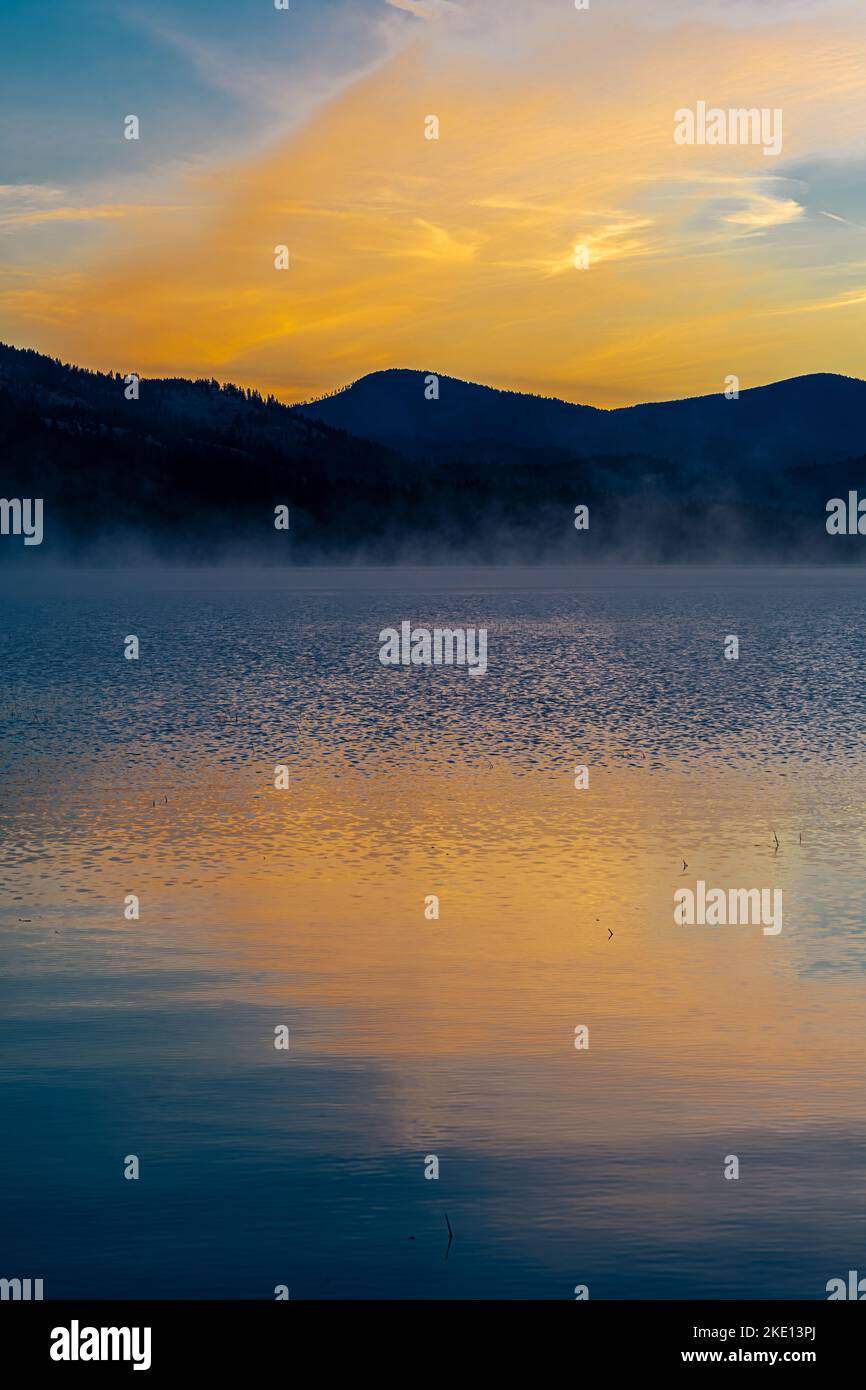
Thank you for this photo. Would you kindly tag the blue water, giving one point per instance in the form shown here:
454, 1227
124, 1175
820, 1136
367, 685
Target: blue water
258, 908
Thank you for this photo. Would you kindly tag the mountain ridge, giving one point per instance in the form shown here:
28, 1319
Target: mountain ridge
390, 407
194, 469
560, 400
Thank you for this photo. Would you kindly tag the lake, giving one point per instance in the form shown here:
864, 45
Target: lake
306, 908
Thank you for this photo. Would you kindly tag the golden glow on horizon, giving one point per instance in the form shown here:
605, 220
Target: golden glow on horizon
457, 255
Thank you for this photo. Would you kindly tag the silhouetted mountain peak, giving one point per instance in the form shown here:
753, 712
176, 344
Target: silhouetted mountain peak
388, 468
801, 419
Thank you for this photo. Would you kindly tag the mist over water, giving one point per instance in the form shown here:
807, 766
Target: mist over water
410, 1037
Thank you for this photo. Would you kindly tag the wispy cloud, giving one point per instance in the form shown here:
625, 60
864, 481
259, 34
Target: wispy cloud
418, 8
30, 205
107, 212
764, 212
834, 217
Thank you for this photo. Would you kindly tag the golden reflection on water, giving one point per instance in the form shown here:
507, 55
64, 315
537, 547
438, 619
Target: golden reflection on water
311, 901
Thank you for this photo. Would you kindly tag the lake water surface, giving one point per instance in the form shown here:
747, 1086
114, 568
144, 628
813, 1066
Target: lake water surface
409, 1038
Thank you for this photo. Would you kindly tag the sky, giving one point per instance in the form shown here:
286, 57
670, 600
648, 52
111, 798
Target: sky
555, 238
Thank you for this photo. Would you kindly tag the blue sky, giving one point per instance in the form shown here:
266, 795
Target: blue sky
205, 79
